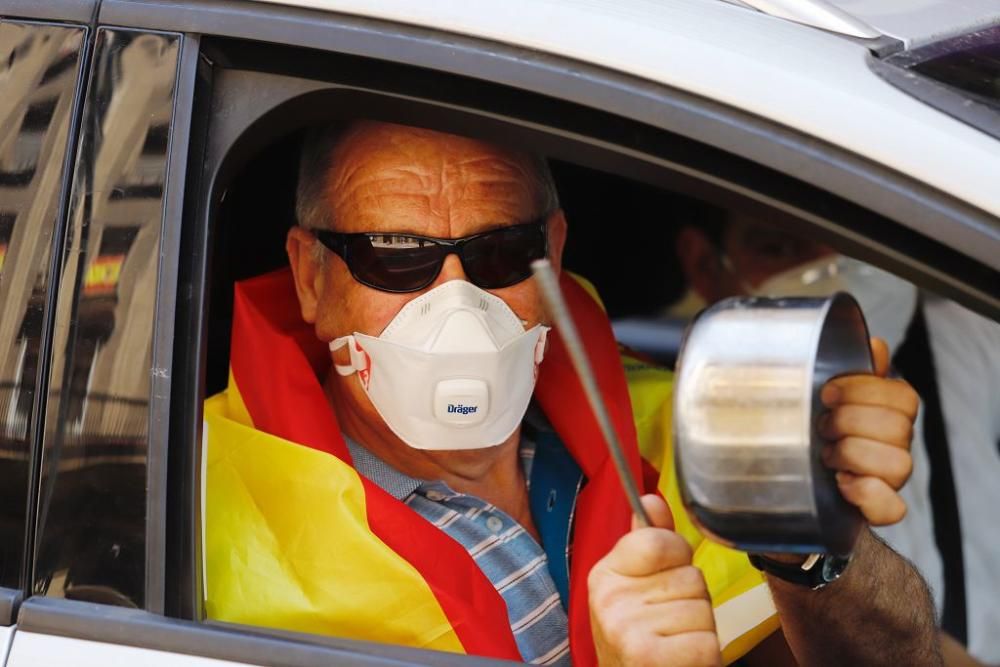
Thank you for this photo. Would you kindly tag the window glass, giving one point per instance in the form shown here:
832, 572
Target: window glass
974, 69
39, 68
91, 524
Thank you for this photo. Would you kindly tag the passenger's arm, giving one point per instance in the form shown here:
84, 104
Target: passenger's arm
878, 613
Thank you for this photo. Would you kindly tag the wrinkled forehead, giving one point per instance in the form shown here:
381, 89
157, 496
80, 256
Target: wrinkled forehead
385, 176
373, 141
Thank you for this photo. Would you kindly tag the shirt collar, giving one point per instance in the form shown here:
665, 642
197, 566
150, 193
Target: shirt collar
399, 485
396, 484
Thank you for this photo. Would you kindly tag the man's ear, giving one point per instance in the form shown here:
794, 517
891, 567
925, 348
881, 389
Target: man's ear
306, 270
556, 226
699, 260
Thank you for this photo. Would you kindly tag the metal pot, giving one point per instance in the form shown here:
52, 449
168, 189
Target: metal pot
746, 406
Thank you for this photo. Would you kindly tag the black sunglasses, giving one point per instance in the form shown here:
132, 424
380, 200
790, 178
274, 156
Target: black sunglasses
407, 263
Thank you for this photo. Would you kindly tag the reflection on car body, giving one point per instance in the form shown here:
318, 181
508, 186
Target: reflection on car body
38, 67
96, 428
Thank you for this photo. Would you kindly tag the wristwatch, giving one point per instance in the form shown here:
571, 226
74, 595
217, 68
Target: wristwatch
817, 571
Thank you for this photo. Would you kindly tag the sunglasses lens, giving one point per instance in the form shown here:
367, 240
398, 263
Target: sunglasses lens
394, 262
503, 257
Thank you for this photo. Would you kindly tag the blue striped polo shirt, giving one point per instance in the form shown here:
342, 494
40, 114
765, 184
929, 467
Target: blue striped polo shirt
505, 552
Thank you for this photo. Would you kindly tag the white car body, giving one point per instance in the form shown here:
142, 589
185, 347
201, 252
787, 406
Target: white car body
808, 79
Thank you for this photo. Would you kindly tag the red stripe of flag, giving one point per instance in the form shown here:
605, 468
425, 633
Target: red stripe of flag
277, 362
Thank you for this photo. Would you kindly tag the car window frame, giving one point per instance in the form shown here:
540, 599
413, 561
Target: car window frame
232, 122
10, 601
238, 644
63, 11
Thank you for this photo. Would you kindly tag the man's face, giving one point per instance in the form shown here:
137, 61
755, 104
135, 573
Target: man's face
758, 251
751, 253
389, 178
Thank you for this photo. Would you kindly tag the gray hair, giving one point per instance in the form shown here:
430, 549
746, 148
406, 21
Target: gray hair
312, 209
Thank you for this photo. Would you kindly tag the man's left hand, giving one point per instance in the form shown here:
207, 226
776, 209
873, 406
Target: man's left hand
869, 426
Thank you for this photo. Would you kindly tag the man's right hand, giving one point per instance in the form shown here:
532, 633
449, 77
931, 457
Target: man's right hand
648, 604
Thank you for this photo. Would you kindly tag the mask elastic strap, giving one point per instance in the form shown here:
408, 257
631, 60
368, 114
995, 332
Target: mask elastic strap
540, 345
349, 342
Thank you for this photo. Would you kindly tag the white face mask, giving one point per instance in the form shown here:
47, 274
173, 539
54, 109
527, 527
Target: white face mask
454, 369
887, 301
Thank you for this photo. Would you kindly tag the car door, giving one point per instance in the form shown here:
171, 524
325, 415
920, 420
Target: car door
84, 174
85, 118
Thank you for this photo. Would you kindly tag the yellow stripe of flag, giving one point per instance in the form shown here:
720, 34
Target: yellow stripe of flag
288, 545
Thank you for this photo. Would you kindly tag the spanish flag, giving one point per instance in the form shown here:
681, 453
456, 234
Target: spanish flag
295, 539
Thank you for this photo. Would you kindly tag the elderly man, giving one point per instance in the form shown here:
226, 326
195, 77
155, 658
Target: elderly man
394, 460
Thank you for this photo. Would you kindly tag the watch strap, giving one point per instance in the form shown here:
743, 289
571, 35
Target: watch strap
817, 571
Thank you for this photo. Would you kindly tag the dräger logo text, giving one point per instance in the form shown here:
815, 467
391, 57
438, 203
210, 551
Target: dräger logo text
462, 409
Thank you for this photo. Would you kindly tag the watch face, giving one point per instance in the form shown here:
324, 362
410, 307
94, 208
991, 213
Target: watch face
833, 567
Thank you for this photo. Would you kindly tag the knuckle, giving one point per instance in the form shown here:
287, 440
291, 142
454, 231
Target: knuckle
847, 450
698, 615
637, 646
663, 546
840, 418
882, 515
595, 578
617, 629
706, 649
910, 397
869, 487
904, 468
904, 427
707, 613
697, 648
602, 591
679, 546
861, 492
691, 580
646, 548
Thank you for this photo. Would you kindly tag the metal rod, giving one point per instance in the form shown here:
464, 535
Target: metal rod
563, 321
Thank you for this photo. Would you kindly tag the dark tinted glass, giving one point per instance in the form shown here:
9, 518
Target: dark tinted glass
39, 69
975, 70
399, 263
504, 257
91, 525
959, 76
